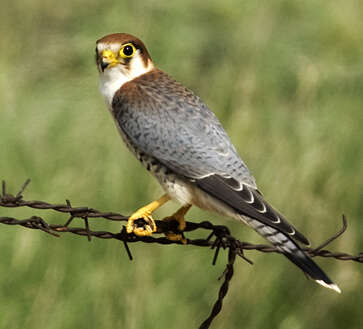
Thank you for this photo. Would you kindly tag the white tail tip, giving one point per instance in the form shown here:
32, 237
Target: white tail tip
330, 286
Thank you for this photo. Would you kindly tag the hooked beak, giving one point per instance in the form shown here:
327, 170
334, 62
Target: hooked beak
108, 59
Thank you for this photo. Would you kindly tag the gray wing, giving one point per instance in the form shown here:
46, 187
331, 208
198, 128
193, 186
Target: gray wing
171, 124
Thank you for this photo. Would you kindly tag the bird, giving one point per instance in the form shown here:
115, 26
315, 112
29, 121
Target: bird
181, 142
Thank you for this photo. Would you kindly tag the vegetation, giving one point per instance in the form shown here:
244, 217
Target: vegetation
286, 80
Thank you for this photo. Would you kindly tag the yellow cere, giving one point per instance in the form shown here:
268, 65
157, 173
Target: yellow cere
109, 58
108, 55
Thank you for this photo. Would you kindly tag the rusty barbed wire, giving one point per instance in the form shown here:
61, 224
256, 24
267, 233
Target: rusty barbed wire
218, 238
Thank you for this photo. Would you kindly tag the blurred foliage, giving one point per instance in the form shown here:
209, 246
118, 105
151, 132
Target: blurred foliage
286, 80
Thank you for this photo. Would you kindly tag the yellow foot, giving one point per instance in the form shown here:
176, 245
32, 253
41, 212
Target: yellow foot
145, 230
145, 214
179, 217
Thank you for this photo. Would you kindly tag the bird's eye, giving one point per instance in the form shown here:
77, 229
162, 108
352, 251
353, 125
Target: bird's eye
128, 50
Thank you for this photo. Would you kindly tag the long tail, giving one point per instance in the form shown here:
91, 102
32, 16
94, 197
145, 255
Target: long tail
293, 252
250, 207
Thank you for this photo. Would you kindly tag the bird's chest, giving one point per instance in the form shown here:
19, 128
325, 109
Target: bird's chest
152, 165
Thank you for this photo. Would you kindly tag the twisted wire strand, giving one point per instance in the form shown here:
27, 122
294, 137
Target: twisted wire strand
219, 236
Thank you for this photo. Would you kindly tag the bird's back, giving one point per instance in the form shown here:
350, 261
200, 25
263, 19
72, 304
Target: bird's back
168, 121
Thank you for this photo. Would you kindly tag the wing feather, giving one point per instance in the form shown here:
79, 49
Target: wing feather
171, 124
248, 202
159, 117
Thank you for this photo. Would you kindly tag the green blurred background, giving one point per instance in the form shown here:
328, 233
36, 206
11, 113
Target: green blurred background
286, 80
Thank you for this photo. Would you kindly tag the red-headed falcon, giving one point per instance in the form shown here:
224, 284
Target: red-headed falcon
182, 143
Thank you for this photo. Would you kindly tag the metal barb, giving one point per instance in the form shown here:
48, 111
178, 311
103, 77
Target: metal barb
209, 236
334, 237
123, 235
87, 229
19, 195
216, 253
223, 237
3, 188
71, 217
128, 250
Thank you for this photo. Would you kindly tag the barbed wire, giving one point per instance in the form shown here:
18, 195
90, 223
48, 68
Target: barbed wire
219, 236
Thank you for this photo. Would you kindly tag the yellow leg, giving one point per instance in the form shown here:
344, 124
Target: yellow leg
179, 217
145, 213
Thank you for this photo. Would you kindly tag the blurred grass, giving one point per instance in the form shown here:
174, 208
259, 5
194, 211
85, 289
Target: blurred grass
286, 80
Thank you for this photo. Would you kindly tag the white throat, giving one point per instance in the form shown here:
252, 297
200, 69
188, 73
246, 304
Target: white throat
112, 79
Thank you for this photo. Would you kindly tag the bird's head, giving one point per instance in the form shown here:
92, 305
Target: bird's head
123, 52
120, 57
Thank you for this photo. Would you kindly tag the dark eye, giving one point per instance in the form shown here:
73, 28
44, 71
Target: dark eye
127, 50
